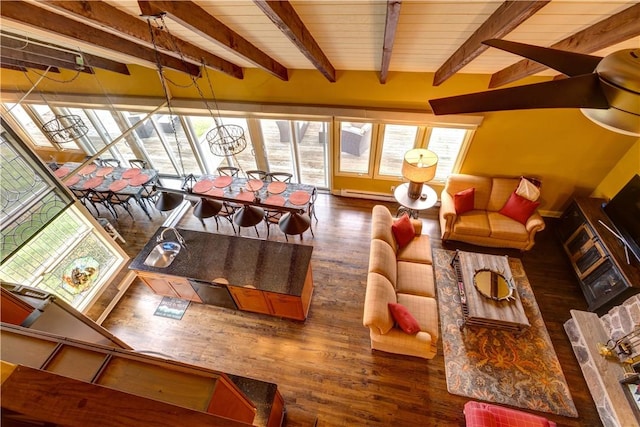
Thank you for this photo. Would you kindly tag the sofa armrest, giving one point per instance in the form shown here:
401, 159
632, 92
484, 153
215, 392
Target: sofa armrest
396, 341
535, 223
417, 226
448, 214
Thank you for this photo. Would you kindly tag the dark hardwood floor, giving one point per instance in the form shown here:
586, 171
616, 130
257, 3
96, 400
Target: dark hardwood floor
324, 367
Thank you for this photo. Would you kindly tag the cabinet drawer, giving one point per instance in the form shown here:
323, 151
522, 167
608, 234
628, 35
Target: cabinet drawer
158, 285
591, 257
286, 306
579, 240
603, 281
250, 299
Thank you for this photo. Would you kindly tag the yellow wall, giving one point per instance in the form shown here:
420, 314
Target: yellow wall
622, 172
569, 153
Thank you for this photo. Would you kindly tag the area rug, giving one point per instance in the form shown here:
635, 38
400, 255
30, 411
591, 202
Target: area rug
172, 308
498, 366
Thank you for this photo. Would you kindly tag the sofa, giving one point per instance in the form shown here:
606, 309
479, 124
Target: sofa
400, 275
478, 414
485, 223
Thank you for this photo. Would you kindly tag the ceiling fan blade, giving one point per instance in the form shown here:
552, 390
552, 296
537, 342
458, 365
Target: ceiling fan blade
582, 92
569, 63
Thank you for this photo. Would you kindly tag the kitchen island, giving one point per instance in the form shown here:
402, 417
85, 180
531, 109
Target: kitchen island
261, 276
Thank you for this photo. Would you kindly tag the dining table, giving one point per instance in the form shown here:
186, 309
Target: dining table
126, 182
270, 195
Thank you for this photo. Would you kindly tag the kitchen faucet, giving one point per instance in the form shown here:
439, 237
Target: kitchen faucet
178, 236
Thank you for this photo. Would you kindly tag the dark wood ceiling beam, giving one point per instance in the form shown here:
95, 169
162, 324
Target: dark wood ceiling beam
23, 56
390, 27
287, 20
195, 18
12, 64
12, 67
501, 22
56, 52
137, 30
615, 29
54, 55
33, 16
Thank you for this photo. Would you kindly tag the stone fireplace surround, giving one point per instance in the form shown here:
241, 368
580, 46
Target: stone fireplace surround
585, 331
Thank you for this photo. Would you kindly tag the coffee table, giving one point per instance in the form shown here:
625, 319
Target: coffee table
478, 310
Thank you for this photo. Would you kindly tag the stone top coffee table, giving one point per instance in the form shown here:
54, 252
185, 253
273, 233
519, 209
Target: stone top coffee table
487, 311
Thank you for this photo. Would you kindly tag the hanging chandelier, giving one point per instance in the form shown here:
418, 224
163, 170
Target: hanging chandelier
226, 140
65, 128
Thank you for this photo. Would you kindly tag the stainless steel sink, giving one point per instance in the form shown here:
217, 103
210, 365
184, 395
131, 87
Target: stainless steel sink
163, 254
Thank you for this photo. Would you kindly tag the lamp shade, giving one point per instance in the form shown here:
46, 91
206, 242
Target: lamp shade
206, 208
248, 216
168, 201
419, 165
294, 223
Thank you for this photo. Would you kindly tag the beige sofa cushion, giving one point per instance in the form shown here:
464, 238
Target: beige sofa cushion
500, 192
418, 250
473, 223
425, 311
382, 260
415, 279
381, 222
482, 184
379, 293
503, 227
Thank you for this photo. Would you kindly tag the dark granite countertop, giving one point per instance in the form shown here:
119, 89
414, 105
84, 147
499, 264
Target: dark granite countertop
241, 261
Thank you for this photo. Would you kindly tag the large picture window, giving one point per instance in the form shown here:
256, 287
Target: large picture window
67, 258
314, 148
46, 242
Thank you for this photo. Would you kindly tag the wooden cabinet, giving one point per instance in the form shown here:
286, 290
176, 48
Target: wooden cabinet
276, 417
170, 286
606, 279
276, 304
122, 380
250, 299
247, 299
285, 306
13, 309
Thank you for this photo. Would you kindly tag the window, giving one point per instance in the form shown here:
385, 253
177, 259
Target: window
447, 144
46, 242
68, 258
44, 115
312, 148
355, 147
28, 125
300, 145
397, 140
30, 198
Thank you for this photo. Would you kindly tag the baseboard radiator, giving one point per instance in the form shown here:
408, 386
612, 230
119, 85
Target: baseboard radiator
358, 194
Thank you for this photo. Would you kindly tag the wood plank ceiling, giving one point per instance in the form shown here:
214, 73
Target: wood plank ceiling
442, 37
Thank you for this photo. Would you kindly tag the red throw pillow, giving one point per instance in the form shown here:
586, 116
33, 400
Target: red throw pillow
464, 200
403, 230
480, 417
519, 208
403, 318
